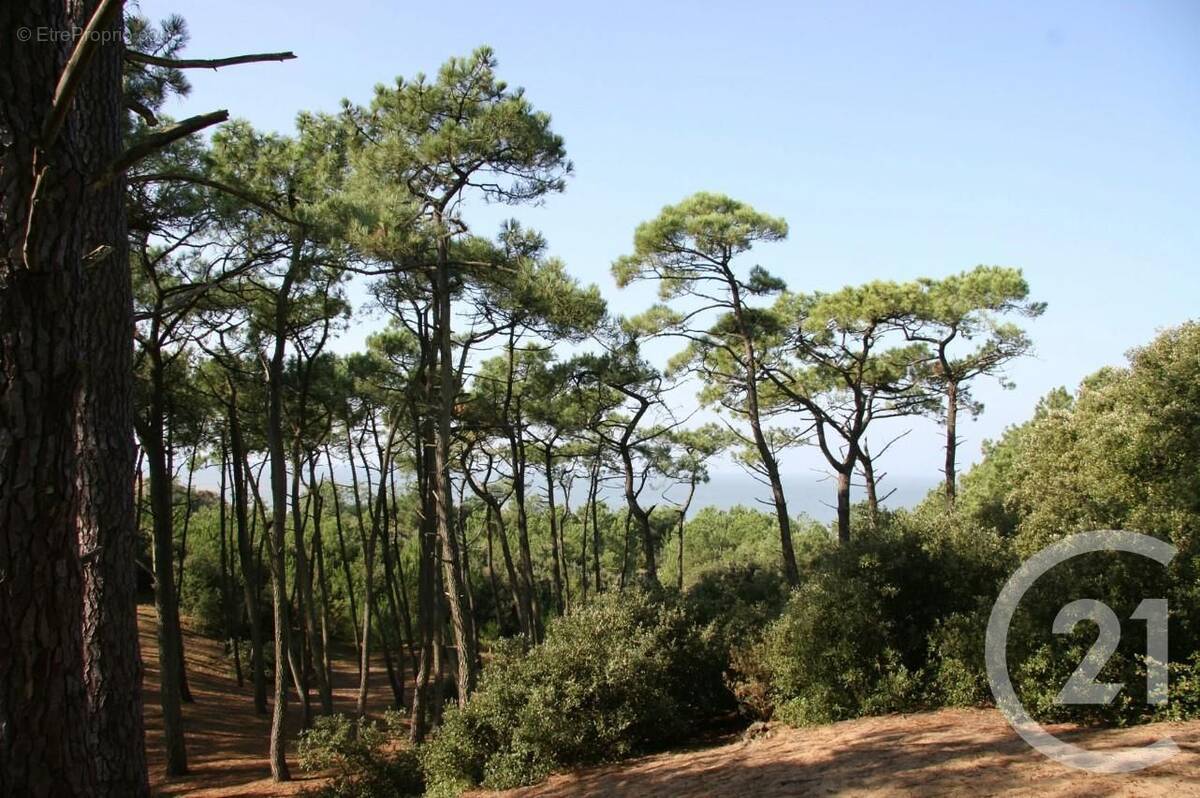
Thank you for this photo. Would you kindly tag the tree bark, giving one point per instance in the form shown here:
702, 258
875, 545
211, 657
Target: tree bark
45, 746
107, 519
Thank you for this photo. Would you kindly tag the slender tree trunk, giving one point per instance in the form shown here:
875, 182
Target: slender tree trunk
279, 507
491, 569
185, 690
459, 620
250, 572
770, 465
304, 578
595, 502
871, 483
951, 439
170, 646
560, 604
226, 587
843, 503
345, 556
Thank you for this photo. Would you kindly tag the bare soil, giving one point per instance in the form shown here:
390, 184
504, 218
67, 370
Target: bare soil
945, 753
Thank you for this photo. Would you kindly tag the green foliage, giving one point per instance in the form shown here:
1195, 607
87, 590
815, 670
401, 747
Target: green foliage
617, 676
365, 757
865, 631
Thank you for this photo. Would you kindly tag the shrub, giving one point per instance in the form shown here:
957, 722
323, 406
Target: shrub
733, 605
623, 674
365, 762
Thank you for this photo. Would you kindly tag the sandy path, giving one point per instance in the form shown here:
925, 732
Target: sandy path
226, 741
946, 753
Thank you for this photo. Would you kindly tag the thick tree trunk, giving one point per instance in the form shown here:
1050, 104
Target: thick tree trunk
44, 723
107, 518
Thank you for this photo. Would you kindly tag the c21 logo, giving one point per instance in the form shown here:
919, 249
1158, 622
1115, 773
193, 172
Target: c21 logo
1082, 687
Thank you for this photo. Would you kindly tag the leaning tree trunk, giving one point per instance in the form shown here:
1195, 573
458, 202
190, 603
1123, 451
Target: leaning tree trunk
770, 465
443, 490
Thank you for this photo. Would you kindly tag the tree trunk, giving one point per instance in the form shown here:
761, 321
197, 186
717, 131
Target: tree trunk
185, 691
559, 603
170, 639
843, 504
277, 531
250, 572
341, 537
443, 489
112, 669
226, 585
45, 746
770, 465
951, 439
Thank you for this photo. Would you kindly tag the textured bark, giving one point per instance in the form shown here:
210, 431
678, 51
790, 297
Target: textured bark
843, 505
46, 742
107, 515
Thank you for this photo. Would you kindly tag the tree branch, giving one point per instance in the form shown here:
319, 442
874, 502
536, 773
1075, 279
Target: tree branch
68, 81
205, 63
156, 141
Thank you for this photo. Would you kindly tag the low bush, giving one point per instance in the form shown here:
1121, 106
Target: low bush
366, 758
623, 674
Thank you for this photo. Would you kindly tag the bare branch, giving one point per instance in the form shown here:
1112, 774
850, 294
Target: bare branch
205, 63
68, 81
156, 141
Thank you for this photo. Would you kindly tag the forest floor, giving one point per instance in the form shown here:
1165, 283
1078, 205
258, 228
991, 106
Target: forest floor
944, 753
227, 743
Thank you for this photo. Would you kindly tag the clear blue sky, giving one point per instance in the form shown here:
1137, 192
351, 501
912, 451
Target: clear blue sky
897, 138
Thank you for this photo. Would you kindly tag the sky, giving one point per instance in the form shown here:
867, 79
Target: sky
898, 139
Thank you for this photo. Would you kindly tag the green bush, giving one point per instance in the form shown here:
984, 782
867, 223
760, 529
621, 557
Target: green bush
889, 622
623, 674
733, 606
365, 758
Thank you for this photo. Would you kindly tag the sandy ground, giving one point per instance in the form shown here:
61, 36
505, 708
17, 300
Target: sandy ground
946, 753
951, 752
227, 742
